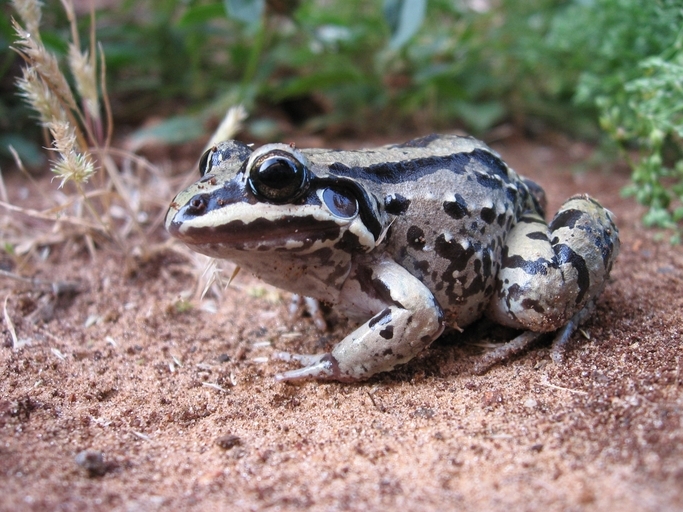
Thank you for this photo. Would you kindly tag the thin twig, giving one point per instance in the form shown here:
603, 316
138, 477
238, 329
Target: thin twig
544, 382
55, 287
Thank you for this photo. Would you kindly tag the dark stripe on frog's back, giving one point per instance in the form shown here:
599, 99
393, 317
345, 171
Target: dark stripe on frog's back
421, 142
487, 165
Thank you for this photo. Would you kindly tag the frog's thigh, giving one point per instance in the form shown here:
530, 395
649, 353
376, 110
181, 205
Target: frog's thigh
549, 273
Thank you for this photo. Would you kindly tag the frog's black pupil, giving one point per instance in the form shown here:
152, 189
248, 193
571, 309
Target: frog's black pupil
277, 174
278, 179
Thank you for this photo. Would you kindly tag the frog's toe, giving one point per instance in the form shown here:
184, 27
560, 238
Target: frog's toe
301, 304
507, 350
564, 334
315, 366
527, 338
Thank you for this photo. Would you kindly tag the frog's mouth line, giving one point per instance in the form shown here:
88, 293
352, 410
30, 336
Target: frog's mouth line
260, 234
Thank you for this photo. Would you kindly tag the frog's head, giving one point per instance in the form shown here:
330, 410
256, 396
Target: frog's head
271, 199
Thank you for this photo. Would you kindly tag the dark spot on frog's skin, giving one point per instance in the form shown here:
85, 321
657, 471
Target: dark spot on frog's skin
531, 267
349, 243
422, 266
514, 292
381, 318
396, 204
501, 219
387, 352
416, 238
454, 252
538, 235
460, 258
533, 304
488, 215
567, 218
387, 333
566, 255
488, 181
456, 209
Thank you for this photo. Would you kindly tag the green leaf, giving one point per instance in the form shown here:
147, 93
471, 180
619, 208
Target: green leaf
246, 11
198, 14
404, 18
481, 116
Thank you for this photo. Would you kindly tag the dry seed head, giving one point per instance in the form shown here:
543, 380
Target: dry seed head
230, 125
71, 165
45, 64
84, 76
30, 12
64, 136
39, 96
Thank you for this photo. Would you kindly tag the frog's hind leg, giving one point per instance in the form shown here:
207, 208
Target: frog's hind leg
551, 275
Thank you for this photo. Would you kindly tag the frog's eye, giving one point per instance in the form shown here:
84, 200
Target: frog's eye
205, 162
341, 205
278, 178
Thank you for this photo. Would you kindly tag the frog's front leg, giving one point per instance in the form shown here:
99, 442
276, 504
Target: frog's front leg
405, 318
551, 275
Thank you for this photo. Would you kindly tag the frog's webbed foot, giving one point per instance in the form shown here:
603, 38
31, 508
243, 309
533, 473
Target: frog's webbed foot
526, 339
301, 304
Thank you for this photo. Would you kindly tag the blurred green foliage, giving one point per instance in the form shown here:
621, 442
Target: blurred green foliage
631, 63
574, 65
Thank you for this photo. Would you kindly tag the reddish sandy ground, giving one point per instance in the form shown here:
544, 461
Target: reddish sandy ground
185, 414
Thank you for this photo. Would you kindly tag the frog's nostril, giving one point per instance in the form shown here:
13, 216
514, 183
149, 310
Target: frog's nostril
196, 206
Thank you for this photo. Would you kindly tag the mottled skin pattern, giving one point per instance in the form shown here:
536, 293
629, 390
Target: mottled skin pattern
406, 238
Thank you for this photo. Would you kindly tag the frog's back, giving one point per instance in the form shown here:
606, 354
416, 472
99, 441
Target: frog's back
449, 203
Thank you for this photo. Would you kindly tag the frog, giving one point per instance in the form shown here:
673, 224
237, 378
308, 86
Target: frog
407, 240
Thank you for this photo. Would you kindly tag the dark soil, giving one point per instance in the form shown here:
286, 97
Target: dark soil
121, 402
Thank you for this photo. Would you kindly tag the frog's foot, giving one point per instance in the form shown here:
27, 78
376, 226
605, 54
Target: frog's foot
301, 305
506, 351
528, 338
562, 336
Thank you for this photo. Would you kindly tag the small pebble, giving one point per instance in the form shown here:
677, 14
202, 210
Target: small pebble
530, 403
92, 462
229, 441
